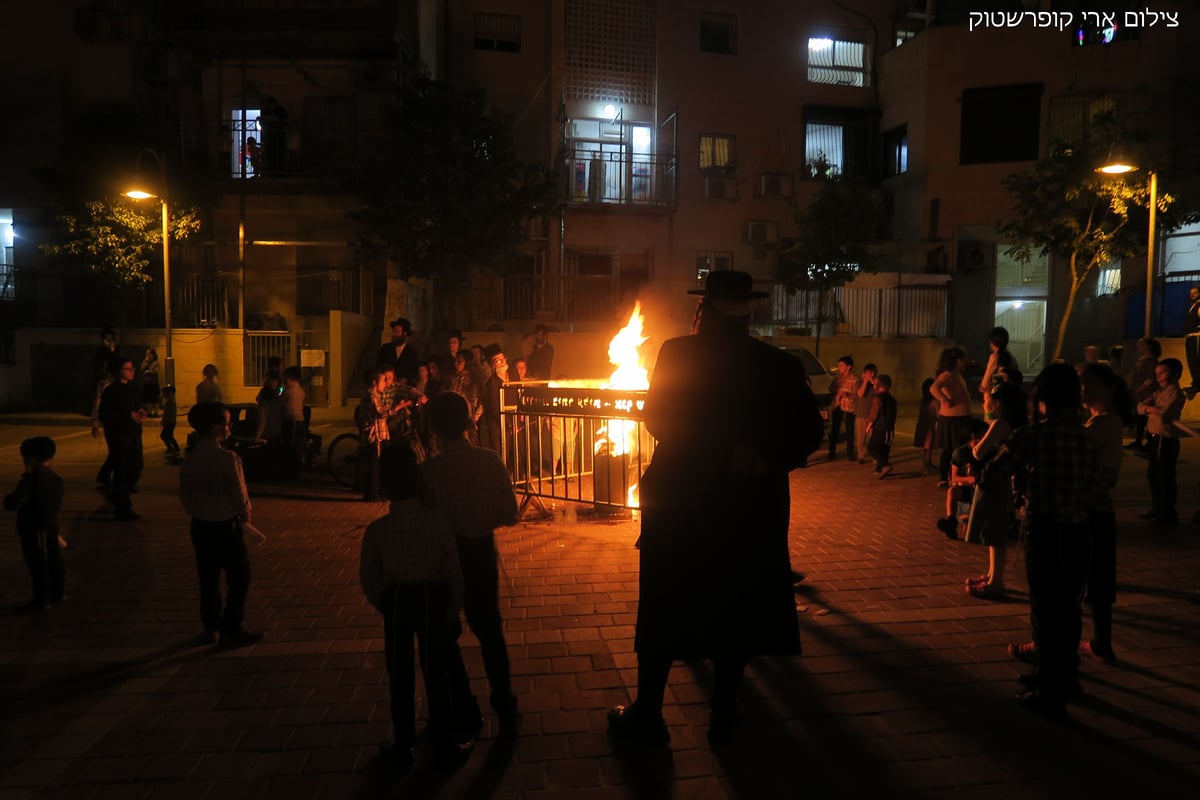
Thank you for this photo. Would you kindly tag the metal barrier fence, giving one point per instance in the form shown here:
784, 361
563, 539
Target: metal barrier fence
575, 442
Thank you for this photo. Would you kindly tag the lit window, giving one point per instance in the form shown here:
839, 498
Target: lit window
717, 151
711, 261
245, 129
895, 151
498, 32
823, 151
1109, 279
839, 57
906, 29
718, 34
8, 287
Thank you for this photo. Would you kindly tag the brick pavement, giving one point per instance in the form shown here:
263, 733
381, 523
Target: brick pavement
905, 689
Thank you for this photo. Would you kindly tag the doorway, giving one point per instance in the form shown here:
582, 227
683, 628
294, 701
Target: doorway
1025, 321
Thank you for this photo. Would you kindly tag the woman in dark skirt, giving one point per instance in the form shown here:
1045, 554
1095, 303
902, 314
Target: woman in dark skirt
926, 422
954, 408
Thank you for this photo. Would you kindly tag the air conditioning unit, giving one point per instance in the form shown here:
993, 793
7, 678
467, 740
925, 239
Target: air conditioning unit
774, 185
762, 233
976, 256
720, 187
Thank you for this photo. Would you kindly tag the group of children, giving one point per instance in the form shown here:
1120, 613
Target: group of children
432, 555
865, 407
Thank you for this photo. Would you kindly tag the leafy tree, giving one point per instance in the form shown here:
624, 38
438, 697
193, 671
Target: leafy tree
1064, 208
445, 192
100, 232
834, 234
117, 241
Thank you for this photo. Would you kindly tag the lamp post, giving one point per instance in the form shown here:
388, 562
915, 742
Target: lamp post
144, 191
1118, 163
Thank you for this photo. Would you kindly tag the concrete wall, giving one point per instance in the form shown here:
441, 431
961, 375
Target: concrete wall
349, 334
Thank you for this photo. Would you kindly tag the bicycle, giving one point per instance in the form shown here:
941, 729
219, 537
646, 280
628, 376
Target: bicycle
342, 458
345, 450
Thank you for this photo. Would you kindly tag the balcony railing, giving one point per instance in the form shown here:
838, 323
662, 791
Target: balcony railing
619, 179
204, 302
565, 299
9, 285
331, 290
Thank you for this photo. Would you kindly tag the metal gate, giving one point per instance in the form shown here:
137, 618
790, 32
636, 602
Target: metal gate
572, 441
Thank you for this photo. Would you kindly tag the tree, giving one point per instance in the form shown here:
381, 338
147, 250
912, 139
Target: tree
98, 231
834, 234
116, 240
1064, 208
445, 193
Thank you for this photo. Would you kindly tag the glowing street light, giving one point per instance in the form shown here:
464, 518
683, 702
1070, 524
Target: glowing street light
143, 190
1119, 162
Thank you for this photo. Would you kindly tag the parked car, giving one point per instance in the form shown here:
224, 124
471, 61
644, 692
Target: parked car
818, 376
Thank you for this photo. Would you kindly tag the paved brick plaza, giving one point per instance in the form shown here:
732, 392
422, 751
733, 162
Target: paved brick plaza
905, 688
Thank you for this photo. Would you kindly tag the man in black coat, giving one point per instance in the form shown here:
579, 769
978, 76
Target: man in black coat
399, 353
122, 415
715, 508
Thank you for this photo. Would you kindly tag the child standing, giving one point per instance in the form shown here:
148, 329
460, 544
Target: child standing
881, 425
961, 485
1162, 411
926, 423
842, 390
170, 417
213, 492
409, 570
1106, 399
292, 428
37, 501
864, 405
991, 519
371, 417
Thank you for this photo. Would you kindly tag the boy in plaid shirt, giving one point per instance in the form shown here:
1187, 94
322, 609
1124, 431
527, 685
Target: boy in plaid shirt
371, 417
410, 572
1053, 468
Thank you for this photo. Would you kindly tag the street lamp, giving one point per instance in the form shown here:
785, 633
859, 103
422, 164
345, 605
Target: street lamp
1119, 163
144, 190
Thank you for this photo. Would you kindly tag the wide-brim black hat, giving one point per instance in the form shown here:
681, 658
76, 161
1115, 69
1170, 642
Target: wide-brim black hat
729, 284
492, 350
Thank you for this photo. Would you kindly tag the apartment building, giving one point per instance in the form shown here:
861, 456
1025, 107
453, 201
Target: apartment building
681, 134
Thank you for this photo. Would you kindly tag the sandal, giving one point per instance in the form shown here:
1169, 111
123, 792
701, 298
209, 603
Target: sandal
1090, 649
986, 591
976, 580
1024, 651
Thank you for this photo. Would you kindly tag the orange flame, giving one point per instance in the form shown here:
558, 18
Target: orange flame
624, 354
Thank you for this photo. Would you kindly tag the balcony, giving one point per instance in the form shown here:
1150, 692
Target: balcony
325, 143
599, 179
